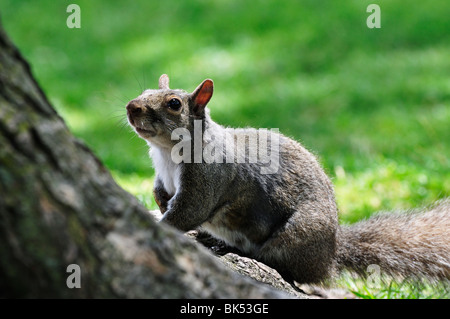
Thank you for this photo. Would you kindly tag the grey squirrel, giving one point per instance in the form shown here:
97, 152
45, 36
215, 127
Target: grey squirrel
265, 194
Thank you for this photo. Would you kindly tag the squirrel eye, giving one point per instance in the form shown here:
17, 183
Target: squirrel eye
174, 104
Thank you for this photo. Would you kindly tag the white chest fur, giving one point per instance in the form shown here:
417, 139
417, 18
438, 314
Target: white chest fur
167, 170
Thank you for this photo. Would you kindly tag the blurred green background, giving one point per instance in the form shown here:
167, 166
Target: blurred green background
373, 104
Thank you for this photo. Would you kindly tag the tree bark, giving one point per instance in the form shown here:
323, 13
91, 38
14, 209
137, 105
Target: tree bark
60, 206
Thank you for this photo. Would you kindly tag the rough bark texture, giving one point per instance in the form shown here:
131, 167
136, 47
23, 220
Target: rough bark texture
60, 206
246, 266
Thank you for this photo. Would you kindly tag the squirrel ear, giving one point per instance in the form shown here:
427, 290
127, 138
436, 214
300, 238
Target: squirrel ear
202, 95
164, 82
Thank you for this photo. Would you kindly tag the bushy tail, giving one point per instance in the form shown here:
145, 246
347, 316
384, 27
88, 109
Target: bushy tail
412, 244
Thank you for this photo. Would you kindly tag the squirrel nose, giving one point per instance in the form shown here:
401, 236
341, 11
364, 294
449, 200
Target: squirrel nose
134, 109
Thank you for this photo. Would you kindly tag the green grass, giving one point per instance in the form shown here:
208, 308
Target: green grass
374, 105
386, 288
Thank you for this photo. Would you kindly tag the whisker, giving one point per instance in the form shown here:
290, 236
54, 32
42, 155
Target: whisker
137, 80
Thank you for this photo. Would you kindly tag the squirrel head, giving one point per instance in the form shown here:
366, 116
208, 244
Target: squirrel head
156, 113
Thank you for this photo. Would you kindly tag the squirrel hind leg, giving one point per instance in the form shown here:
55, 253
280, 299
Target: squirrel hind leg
307, 264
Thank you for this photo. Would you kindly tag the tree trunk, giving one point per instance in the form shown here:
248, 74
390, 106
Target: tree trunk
59, 206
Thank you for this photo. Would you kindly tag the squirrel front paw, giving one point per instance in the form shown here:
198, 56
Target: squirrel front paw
162, 199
